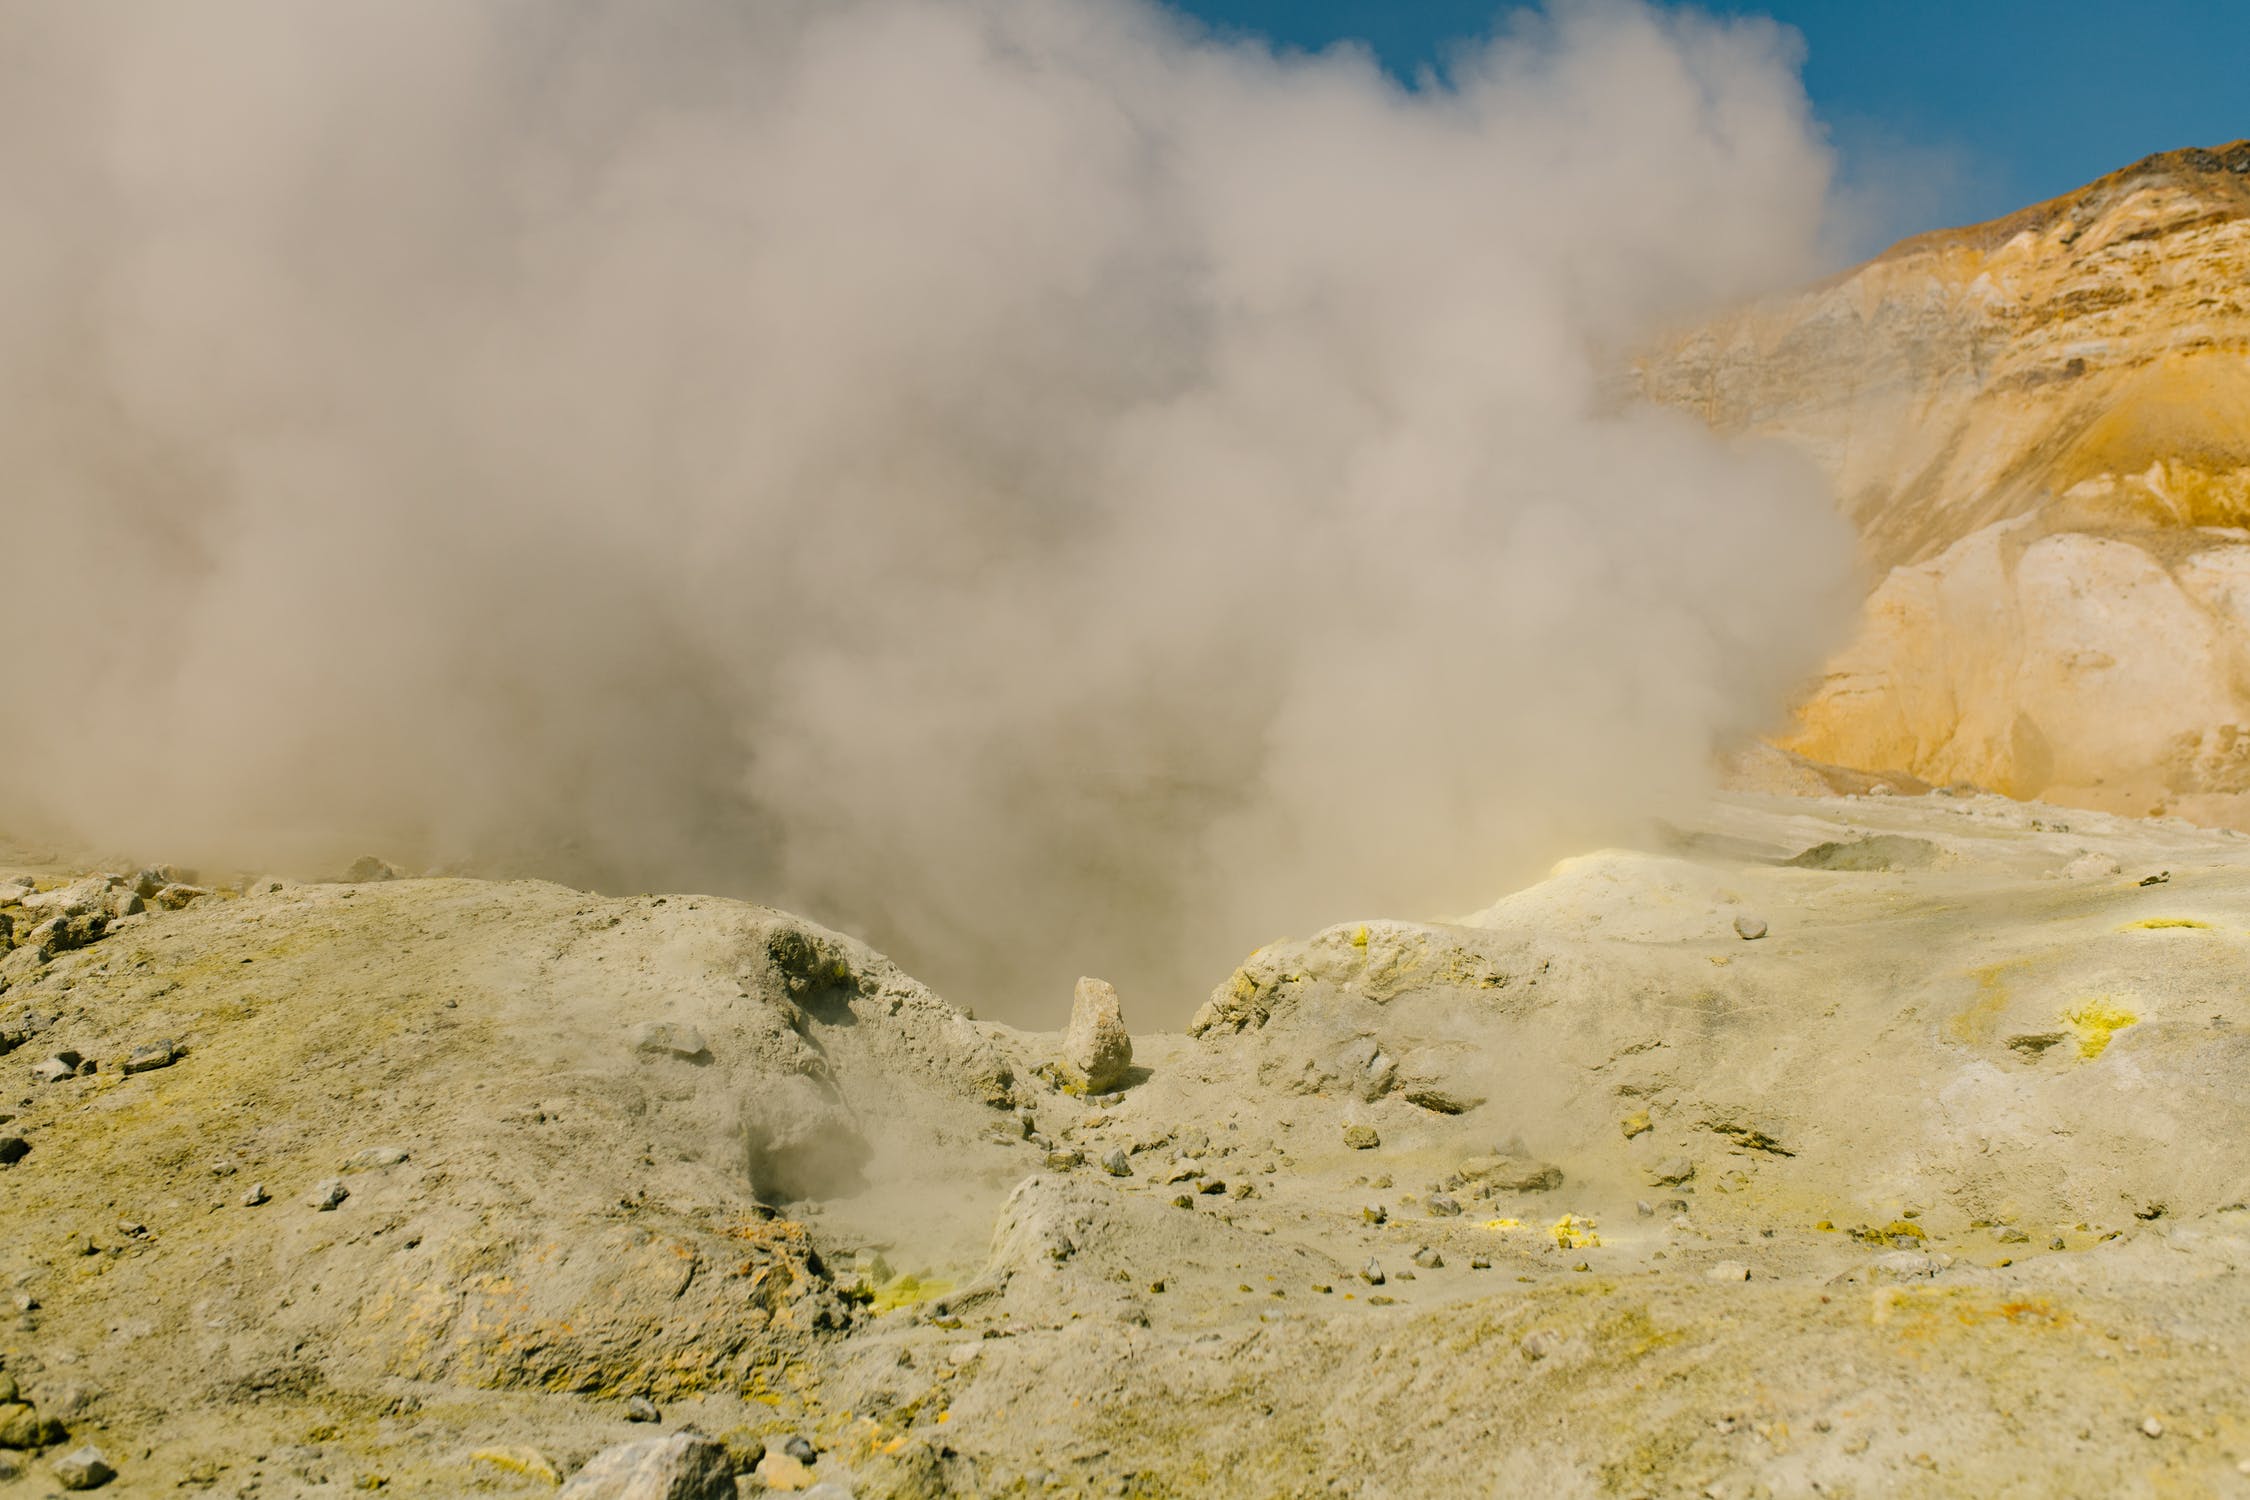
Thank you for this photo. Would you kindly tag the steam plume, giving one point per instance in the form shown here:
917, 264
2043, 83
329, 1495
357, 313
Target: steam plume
1042, 487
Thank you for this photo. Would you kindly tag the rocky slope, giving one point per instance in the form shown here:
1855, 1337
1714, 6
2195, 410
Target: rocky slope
1872, 1145
2041, 427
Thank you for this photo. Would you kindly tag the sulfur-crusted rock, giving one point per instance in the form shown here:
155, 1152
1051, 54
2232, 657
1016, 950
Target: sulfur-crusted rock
1097, 1051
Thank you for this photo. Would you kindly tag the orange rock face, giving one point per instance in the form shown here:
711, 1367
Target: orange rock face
2041, 427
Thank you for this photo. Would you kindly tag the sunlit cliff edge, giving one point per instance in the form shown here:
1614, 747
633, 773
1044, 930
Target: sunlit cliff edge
2041, 428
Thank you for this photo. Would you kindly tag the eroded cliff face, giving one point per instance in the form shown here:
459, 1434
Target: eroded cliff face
2041, 427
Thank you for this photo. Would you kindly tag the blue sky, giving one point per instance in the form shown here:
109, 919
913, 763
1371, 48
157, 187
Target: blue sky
1948, 111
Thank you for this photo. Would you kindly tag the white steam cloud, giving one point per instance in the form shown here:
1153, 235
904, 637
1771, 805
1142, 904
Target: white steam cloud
1034, 484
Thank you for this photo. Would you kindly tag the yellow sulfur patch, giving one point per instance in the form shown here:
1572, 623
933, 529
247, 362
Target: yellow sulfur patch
1503, 1225
1359, 938
2152, 924
1575, 1233
529, 1462
905, 1292
2095, 1022
1636, 1123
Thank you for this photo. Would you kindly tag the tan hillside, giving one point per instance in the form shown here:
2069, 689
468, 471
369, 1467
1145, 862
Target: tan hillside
2041, 427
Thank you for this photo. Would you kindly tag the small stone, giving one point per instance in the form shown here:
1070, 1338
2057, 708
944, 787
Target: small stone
1361, 1137
1902, 1265
13, 1148
683, 1466
2150, 1427
1636, 1123
328, 1194
1749, 928
1480, 1262
375, 1159
1728, 1270
57, 1068
1428, 1258
1444, 1206
671, 1039
154, 1055
1210, 1186
257, 1196
801, 1450
1117, 1164
1371, 1273
1374, 1213
83, 1469
1644, 1208
1063, 1161
641, 1409
1182, 1200
1672, 1171
2057, 1243
2008, 1234
1097, 1051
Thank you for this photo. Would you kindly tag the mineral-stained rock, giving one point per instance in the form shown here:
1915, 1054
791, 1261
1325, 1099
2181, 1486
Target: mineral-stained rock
683, 1466
2037, 427
21, 1427
1097, 1050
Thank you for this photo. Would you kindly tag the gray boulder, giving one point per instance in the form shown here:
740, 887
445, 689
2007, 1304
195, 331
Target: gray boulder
683, 1466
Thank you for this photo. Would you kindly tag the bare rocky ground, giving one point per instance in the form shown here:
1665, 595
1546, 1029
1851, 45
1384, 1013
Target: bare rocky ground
1847, 1146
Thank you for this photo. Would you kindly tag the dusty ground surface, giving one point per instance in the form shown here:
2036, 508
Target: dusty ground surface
1934, 1187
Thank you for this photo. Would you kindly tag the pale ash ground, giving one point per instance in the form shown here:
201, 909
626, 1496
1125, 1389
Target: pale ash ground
1966, 1134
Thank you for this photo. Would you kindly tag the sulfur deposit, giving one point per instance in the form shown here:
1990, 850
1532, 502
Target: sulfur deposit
1936, 1188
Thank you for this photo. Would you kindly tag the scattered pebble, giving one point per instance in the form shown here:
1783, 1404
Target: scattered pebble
1444, 1206
154, 1055
1117, 1164
83, 1469
1361, 1137
1371, 1273
641, 1409
326, 1195
1728, 1270
1749, 928
1428, 1258
2150, 1427
671, 1039
257, 1196
1374, 1213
